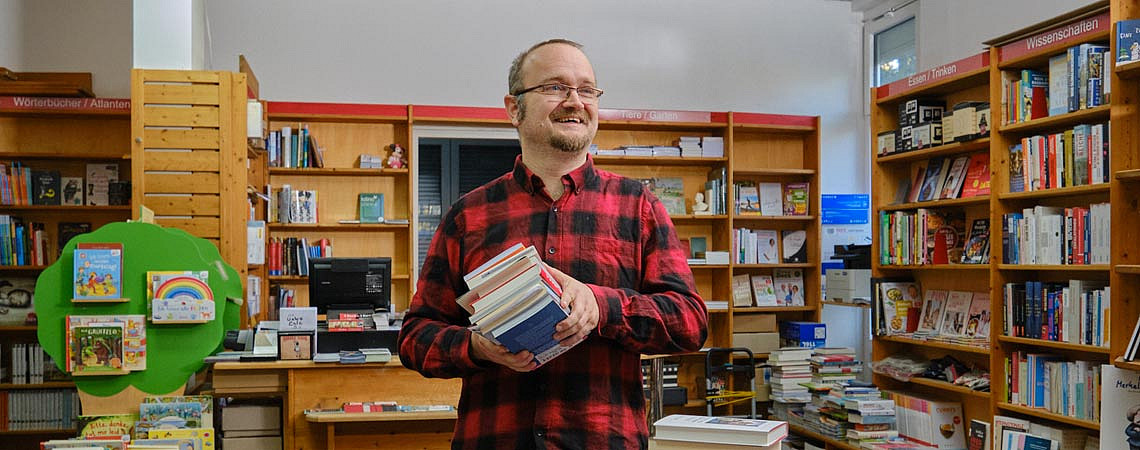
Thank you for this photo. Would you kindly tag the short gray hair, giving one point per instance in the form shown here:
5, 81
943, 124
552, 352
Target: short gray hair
514, 77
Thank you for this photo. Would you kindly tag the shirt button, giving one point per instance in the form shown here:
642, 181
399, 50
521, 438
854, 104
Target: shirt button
555, 209
551, 250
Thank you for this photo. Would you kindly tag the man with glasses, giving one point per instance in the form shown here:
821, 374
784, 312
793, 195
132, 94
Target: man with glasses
610, 245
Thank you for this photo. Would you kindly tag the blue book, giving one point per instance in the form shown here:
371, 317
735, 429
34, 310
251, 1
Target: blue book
1127, 41
98, 272
535, 330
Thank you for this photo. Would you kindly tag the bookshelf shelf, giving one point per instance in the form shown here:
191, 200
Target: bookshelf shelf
1130, 365
294, 279
831, 442
849, 305
1060, 192
775, 128
1057, 267
976, 77
1041, 58
657, 161
1092, 349
774, 218
1131, 175
22, 268
1130, 71
777, 266
697, 218
938, 267
949, 387
337, 226
337, 172
935, 344
31, 156
773, 172
46, 385
773, 308
67, 209
17, 328
707, 266
1048, 415
1099, 113
948, 203
34, 432
1130, 269
975, 145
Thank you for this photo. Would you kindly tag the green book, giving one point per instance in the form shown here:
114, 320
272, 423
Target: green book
371, 208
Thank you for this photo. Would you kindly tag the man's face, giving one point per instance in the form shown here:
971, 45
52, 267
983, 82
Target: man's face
563, 123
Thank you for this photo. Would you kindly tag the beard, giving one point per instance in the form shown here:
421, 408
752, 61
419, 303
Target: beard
569, 144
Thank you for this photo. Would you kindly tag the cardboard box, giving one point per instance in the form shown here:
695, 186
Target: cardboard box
948, 127
757, 342
920, 110
252, 443
848, 285
754, 323
803, 331
252, 417
905, 142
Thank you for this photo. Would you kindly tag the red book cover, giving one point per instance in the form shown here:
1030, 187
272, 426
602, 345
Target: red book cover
977, 176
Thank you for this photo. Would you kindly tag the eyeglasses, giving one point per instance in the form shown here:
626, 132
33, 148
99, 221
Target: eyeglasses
562, 91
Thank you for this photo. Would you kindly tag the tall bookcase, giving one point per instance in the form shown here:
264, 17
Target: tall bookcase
64, 135
1030, 48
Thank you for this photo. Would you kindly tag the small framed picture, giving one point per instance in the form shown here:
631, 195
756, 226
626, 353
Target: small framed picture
293, 346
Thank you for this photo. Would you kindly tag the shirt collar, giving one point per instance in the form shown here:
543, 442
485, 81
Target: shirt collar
531, 182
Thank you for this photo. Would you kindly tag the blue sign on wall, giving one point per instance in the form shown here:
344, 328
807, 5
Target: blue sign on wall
845, 209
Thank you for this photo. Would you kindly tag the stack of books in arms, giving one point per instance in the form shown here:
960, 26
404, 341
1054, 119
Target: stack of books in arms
680, 431
514, 301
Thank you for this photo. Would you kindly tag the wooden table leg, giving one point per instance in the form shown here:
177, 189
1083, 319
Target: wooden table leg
331, 444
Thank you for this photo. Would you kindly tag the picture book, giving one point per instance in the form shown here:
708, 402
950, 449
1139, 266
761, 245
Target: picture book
371, 207
977, 176
749, 201
978, 436
978, 319
171, 414
720, 430
99, 178
932, 180
98, 272
180, 296
1127, 41
932, 306
105, 426
46, 187
945, 235
134, 338
796, 199
671, 192
789, 286
956, 313
767, 246
794, 243
954, 178
173, 443
99, 349
1119, 403
206, 434
1016, 169
977, 247
206, 401
741, 290
84, 444
16, 294
897, 299
771, 202
764, 290
918, 174
71, 189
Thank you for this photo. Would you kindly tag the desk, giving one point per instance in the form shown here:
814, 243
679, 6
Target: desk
307, 385
384, 419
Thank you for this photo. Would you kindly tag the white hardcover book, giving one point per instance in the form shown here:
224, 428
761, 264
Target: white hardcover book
771, 199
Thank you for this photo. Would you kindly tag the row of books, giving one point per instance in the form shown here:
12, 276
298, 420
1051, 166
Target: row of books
289, 256
22, 243
1076, 80
1055, 384
288, 205
763, 246
930, 236
1055, 235
1075, 312
38, 409
955, 314
294, 148
946, 178
1075, 157
687, 147
29, 364
785, 287
771, 199
1014, 433
172, 422
22, 185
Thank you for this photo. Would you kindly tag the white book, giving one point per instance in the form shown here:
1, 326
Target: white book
720, 430
771, 199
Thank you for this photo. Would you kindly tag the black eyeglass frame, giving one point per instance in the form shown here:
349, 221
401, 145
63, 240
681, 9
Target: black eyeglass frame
564, 96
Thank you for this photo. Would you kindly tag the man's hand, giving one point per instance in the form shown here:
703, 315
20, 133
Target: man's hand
583, 310
483, 348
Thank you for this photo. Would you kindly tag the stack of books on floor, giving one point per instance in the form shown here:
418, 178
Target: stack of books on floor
834, 365
872, 419
790, 368
680, 431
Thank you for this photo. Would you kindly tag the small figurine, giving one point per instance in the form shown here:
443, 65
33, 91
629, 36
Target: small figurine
396, 159
700, 208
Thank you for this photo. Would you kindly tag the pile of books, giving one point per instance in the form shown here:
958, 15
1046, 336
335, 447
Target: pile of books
680, 431
514, 301
790, 368
834, 365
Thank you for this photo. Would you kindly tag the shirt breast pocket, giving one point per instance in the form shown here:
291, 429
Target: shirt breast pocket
608, 262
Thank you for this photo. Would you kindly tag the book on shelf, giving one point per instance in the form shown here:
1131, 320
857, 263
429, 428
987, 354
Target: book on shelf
748, 202
933, 304
514, 301
98, 272
977, 180
71, 190
99, 349
133, 338
720, 430
977, 247
767, 246
978, 317
371, 207
741, 290
99, 179
918, 174
19, 292
764, 290
794, 244
796, 199
1120, 408
954, 178
46, 187
671, 192
955, 314
771, 200
932, 179
896, 300
1127, 41
789, 286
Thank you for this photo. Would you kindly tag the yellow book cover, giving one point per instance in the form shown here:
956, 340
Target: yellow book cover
205, 434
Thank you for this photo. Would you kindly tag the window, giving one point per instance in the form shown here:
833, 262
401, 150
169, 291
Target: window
894, 53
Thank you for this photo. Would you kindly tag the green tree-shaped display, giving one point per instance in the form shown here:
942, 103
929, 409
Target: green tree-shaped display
174, 351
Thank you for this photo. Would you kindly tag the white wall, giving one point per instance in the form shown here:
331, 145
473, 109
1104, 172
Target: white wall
70, 36
743, 55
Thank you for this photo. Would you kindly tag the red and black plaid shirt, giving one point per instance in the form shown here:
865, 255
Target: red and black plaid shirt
605, 231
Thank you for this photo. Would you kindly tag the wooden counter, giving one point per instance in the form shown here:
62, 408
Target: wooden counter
307, 385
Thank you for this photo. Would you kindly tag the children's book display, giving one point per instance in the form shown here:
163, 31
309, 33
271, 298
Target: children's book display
158, 422
111, 345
